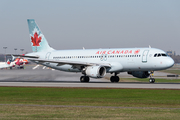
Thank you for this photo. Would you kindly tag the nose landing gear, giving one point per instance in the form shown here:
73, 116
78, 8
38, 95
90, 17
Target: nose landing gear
151, 80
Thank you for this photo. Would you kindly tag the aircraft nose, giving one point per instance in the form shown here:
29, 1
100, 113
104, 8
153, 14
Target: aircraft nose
169, 62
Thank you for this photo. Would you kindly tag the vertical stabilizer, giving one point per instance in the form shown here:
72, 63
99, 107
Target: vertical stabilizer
38, 41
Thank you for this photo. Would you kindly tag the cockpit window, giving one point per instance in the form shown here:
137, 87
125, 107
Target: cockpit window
160, 54
163, 54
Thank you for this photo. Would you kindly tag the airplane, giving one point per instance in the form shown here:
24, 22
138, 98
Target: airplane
95, 63
20, 62
8, 64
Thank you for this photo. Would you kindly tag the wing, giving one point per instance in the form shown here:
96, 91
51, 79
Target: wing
74, 63
61, 62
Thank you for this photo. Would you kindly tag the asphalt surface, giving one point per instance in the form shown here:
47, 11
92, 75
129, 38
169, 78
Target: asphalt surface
54, 78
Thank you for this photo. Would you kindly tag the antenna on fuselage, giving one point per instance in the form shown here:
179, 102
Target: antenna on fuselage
83, 48
149, 46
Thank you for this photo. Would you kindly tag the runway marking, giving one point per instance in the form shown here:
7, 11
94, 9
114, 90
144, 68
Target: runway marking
80, 106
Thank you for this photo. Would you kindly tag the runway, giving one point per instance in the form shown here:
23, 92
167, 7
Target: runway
54, 78
92, 85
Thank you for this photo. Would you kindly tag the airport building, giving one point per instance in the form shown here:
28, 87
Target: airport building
171, 53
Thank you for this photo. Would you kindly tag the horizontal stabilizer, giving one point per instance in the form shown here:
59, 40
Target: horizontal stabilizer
23, 56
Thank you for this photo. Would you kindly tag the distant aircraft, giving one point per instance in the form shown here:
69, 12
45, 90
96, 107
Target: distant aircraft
8, 64
21, 62
95, 63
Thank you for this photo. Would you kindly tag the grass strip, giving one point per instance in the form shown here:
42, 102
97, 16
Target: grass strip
90, 97
177, 72
136, 100
36, 113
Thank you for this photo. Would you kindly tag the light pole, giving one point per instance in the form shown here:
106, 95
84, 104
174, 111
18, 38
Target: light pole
22, 50
5, 52
15, 50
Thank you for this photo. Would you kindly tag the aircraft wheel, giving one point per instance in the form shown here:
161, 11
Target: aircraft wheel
116, 79
84, 79
112, 78
151, 80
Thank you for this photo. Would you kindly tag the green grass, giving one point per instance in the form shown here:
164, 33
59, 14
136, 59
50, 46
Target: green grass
92, 97
36, 113
177, 72
163, 100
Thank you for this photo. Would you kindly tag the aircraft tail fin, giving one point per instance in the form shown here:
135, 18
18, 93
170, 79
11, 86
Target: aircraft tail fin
38, 41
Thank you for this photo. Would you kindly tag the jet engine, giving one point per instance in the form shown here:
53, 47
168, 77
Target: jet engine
140, 74
95, 71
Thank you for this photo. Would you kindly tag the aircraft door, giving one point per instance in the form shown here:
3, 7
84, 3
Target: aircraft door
48, 55
144, 56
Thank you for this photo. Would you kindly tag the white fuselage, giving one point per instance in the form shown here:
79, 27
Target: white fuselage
5, 65
120, 60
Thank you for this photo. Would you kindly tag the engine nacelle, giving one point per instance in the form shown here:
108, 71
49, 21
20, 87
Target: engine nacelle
95, 71
140, 74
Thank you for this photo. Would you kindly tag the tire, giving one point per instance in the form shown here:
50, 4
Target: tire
116, 78
112, 79
151, 80
84, 79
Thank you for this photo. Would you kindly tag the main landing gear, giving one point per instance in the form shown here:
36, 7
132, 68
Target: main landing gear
114, 78
84, 79
151, 80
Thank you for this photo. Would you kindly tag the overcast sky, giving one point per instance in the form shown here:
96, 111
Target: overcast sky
73, 24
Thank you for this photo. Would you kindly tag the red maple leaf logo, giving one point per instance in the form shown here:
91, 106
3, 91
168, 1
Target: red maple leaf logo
8, 62
137, 51
36, 40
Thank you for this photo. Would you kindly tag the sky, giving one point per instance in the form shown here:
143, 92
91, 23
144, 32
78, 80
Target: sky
74, 24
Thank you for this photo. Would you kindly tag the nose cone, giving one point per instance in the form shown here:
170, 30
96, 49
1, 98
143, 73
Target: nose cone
169, 63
